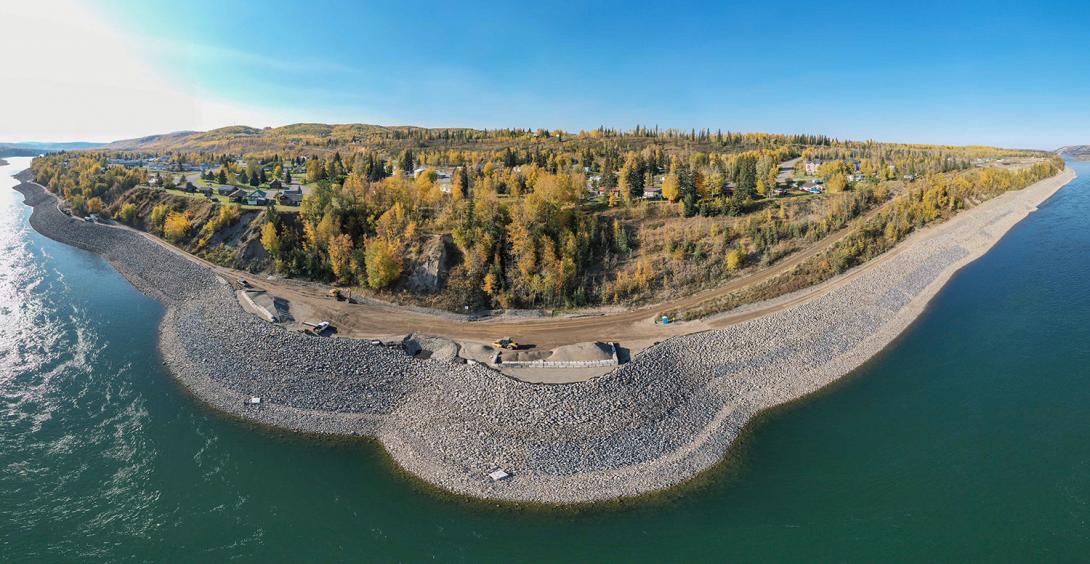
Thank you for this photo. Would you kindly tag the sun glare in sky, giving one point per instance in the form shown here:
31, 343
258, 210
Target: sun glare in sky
972, 72
94, 81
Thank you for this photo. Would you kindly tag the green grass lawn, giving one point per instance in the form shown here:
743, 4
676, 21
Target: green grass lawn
226, 200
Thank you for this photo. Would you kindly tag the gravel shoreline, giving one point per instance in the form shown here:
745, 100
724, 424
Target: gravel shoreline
651, 424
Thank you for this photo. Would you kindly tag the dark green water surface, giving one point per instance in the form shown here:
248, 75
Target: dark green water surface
969, 439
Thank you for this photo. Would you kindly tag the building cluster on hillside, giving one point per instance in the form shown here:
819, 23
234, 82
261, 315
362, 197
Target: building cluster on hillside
258, 197
274, 192
279, 191
130, 163
443, 177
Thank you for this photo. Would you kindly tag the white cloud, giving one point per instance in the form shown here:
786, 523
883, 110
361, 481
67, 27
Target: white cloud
70, 75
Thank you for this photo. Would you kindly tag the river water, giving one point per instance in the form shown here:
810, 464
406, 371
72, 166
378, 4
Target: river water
969, 438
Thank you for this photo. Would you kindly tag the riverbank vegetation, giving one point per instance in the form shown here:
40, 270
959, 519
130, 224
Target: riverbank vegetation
517, 218
933, 199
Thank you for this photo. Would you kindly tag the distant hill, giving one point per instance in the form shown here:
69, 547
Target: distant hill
35, 148
1080, 152
303, 137
13, 151
389, 140
151, 141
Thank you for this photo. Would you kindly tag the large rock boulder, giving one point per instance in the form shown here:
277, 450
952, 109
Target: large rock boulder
429, 268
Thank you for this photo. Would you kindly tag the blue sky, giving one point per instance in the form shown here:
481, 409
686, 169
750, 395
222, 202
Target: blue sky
1002, 73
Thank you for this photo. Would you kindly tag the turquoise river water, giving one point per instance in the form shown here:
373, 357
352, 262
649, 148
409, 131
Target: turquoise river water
969, 438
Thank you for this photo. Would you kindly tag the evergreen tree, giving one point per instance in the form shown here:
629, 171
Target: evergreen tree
461, 181
631, 178
687, 190
609, 177
745, 176
405, 161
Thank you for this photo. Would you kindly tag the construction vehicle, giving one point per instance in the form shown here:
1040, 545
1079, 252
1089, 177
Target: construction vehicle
505, 343
336, 294
318, 328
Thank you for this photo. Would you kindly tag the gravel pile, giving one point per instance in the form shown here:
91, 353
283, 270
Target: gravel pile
655, 422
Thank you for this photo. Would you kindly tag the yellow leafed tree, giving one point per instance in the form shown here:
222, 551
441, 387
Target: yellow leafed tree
127, 213
671, 187
270, 239
159, 214
735, 258
837, 183
340, 255
176, 226
383, 260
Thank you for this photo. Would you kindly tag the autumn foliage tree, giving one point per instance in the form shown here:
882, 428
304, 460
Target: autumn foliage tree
176, 226
524, 223
270, 239
340, 256
127, 213
383, 260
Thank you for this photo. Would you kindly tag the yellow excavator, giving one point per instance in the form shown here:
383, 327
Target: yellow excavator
505, 343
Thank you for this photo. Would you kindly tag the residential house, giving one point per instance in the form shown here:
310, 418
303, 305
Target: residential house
445, 181
126, 162
812, 187
257, 198
275, 184
811, 167
226, 190
291, 197
593, 183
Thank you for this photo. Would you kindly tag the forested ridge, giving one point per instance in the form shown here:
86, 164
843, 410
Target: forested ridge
534, 218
